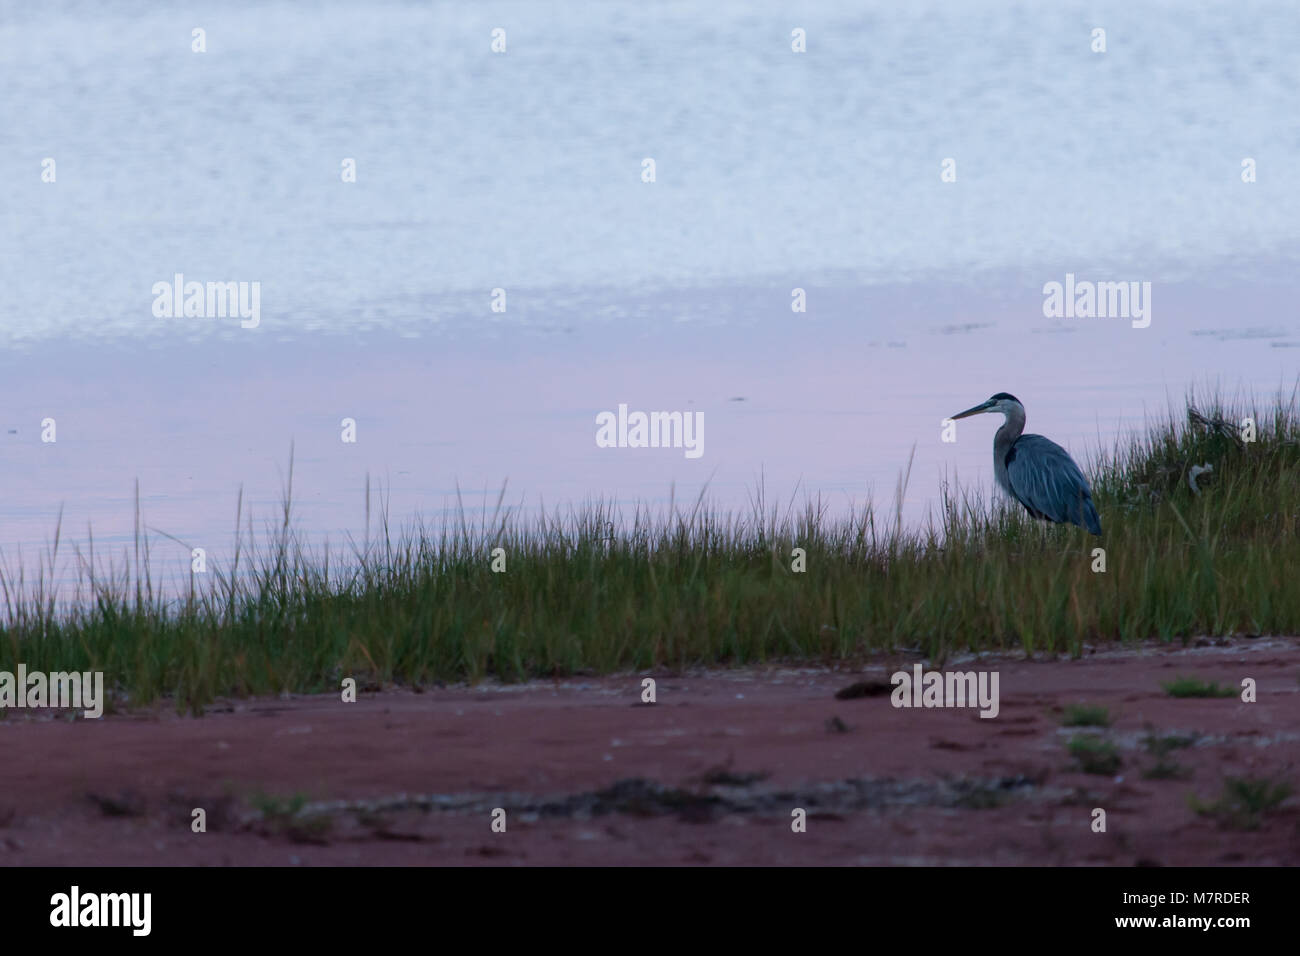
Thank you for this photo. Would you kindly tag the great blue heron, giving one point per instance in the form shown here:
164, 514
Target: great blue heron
1036, 471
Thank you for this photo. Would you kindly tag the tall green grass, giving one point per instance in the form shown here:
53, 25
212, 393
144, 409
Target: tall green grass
596, 588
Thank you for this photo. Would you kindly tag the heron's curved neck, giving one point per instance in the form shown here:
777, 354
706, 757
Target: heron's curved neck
1012, 428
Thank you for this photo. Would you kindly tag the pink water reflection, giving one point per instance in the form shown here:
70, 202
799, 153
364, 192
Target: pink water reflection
831, 402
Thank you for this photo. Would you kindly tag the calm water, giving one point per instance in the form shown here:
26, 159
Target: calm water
523, 171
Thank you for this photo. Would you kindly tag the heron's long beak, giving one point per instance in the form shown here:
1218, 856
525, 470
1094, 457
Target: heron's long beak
981, 407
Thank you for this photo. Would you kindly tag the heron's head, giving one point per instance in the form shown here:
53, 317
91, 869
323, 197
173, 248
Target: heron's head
1003, 402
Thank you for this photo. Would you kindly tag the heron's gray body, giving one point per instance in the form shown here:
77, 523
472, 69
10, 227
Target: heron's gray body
1036, 471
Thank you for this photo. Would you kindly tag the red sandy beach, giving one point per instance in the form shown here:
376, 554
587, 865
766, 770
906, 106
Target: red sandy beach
708, 774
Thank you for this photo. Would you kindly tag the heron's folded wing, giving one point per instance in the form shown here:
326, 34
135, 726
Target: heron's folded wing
1045, 478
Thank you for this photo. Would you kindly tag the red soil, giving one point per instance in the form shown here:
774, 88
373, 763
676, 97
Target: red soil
710, 773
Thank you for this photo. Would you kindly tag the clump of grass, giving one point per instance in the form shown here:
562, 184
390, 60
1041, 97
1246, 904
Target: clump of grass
1191, 687
284, 816
1244, 802
273, 807
600, 587
1094, 755
1082, 715
1162, 746
1165, 768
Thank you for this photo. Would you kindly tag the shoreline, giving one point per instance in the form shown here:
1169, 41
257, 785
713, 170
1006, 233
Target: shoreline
587, 774
834, 402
